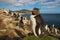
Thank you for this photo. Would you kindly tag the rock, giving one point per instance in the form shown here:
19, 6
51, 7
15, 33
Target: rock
3, 11
9, 27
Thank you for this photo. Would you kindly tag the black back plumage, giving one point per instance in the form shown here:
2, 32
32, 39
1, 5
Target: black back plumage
40, 25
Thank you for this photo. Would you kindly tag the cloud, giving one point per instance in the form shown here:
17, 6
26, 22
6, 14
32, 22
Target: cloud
10, 3
6, 2
17, 2
28, 2
50, 4
43, 3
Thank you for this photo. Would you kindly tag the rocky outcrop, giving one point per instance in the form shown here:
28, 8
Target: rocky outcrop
9, 27
3, 11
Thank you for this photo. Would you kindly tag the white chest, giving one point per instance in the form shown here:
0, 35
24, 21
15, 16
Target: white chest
33, 21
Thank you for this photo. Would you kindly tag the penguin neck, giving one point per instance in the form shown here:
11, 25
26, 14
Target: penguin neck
33, 15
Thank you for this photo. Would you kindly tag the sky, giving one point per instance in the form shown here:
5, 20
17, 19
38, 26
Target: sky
45, 6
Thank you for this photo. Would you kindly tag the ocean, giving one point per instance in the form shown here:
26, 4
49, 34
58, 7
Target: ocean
49, 19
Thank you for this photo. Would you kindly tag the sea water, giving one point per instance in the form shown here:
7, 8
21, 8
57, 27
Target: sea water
49, 19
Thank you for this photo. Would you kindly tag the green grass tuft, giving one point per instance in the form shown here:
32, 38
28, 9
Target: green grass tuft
32, 37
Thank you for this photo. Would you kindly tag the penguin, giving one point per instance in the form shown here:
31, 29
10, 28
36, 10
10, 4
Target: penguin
37, 24
47, 28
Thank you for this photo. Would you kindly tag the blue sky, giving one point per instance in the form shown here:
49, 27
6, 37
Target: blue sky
45, 6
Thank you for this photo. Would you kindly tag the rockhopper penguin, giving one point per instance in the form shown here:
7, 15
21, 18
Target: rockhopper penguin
37, 23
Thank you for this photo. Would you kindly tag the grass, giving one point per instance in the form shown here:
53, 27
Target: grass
32, 37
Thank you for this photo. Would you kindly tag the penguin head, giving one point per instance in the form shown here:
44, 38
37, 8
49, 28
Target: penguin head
35, 11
